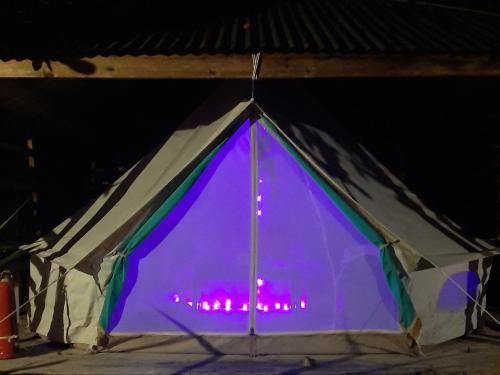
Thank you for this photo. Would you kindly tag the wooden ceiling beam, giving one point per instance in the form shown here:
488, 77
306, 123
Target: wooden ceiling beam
240, 66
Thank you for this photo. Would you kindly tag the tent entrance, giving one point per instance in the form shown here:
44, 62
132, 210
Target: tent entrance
253, 213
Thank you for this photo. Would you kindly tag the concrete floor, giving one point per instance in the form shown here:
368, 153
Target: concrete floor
477, 354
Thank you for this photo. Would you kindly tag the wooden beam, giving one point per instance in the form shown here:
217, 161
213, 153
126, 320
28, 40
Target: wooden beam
240, 66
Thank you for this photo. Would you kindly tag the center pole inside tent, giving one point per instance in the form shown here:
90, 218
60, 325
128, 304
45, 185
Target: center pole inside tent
253, 205
253, 241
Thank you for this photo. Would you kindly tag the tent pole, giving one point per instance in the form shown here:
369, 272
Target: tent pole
253, 242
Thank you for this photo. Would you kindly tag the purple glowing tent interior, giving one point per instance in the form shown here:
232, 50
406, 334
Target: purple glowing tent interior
451, 297
199, 251
313, 266
317, 255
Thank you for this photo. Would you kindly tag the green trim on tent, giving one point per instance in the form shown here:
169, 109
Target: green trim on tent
393, 270
120, 266
394, 273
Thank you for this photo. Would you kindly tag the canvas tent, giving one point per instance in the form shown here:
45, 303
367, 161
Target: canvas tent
258, 227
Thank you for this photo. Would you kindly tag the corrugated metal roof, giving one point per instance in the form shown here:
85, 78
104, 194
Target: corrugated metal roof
332, 27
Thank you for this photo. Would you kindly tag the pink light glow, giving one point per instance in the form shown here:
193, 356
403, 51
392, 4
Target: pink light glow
216, 305
259, 198
259, 212
260, 181
219, 300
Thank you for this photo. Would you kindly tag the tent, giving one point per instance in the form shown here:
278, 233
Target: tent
258, 227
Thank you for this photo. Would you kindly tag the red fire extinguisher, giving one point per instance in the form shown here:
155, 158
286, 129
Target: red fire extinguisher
7, 336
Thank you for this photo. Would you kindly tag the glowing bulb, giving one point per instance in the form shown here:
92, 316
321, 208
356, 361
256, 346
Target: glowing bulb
285, 307
266, 309
260, 306
259, 198
190, 303
259, 212
302, 305
260, 181
277, 306
245, 307
260, 282
227, 305
216, 305
205, 306
176, 298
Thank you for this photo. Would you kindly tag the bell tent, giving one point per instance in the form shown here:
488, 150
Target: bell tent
258, 227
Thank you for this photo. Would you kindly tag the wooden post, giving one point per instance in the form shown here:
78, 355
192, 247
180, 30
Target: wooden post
34, 193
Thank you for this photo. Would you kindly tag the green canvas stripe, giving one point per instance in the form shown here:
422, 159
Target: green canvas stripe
394, 274
120, 266
393, 270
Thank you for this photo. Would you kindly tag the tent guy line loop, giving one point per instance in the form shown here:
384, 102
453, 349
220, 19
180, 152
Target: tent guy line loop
381, 227
389, 243
256, 69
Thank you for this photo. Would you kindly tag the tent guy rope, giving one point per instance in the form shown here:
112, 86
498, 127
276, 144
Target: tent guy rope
43, 290
14, 214
255, 72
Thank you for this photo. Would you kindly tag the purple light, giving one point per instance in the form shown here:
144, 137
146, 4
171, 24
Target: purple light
259, 212
205, 265
295, 242
260, 282
227, 305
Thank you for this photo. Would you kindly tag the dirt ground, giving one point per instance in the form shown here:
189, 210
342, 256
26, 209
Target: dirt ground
476, 354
